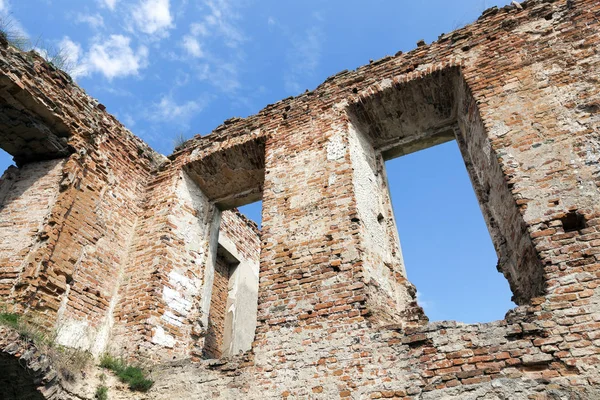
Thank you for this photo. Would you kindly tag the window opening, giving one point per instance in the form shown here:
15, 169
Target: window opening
573, 222
253, 212
447, 249
233, 309
5, 161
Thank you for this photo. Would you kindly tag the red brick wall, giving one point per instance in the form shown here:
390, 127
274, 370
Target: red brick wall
535, 160
243, 232
76, 261
27, 196
213, 343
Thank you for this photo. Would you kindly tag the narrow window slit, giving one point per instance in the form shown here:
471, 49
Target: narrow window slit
573, 222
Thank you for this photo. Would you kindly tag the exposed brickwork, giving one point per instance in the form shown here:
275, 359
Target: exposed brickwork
213, 342
244, 232
337, 317
27, 196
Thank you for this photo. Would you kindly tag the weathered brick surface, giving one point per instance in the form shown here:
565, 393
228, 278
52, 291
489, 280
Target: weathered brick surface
27, 196
213, 342
72, 266
337, 318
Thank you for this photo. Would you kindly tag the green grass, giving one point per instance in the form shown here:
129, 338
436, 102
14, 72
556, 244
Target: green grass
11, 320
70, 362
133, 376
101, 393
27, 331
57, 57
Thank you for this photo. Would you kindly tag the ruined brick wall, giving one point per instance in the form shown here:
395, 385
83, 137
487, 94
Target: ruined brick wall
243, 233
517, 89
77, 246
213, 342
506, 88
26, 197
166, 294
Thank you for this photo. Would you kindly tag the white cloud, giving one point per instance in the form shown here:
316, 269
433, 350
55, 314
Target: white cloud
217, 30
223, 75
221, 21
192, 46
153, 16
72, 53
115, 57
109, 3
66, 55
426, 304
198, 29
304, 57
170, 111
3, 6
95, 21
71, 49
128, 120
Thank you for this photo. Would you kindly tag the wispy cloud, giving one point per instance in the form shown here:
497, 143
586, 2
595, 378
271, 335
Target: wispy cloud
3, 6
182, 78
114, 57
426, 304
216, 38
223, 75
128, 120
303, 59
110, 4
168, 110
95, 21
220, 21
192, 46
153, 17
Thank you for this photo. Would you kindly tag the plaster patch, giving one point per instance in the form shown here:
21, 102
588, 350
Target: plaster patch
74, 333
499, 130
336, 148
172, 319
332, 179
176, 301
183, 282
162, 338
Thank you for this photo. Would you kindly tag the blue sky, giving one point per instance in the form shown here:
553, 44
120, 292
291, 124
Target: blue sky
169, 68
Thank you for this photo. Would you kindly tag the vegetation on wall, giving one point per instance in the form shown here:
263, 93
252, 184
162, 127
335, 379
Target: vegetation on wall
58, 57
101, 393
69, 362
134, 376
9, 319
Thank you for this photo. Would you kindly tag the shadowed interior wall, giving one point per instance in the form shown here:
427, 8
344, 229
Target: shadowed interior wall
14, 382
517, 257
213, 343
